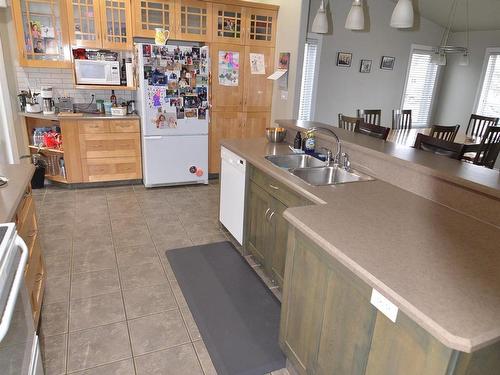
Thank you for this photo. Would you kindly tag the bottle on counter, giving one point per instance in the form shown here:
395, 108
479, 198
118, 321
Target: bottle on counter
123, 74
297, 142
112, 98
310, 143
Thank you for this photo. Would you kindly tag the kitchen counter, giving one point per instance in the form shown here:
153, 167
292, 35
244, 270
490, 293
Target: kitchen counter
440, 267
481, 179
79, 116
19, 176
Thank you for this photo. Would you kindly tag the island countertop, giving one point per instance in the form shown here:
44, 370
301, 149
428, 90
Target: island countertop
440, 267
19, 176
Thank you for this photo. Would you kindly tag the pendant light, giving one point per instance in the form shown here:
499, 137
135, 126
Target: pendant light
320, 23
403, 16
464, 57
356, 17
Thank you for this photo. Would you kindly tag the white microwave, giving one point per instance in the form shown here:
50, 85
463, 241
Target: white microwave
92, 72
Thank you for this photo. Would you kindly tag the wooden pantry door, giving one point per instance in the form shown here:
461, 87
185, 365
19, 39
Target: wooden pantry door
258, 90
223, 125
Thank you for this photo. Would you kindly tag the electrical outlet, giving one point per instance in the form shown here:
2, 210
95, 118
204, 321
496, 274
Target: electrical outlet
385, 306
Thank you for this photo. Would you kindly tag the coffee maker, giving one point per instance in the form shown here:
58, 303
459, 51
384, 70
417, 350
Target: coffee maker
47, 100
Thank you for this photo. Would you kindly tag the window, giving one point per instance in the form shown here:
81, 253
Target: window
420, 86
310, 70
489, 97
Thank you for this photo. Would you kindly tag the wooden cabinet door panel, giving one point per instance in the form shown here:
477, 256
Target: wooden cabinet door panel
255, 124
124, 126
227, 98
228, 24
93, 126
151, 14
84, 23
261, 27
111, 169
116, 24
110, 145
258, 90
279, 243
258, 207
222, 125
194, 20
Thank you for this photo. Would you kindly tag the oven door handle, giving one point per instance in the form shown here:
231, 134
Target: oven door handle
16, 286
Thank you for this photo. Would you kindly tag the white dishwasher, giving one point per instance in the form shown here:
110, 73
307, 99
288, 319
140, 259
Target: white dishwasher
232, 193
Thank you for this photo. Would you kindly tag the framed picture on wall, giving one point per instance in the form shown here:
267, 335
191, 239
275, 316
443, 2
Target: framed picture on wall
387, 63
365, 66
344, 59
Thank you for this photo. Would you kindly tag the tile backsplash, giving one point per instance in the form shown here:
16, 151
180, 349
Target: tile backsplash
61, 81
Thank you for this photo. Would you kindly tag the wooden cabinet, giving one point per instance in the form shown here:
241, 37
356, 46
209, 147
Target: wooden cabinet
266, 229
258, 90
255, 123
222, 125
100, 24
151, 14
41, 33
194, 20
228, 24
261, 27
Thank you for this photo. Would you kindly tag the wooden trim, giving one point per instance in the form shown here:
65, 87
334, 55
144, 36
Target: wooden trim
247, 4
71, 144
97, 43
122, 46
137, 21
194, 37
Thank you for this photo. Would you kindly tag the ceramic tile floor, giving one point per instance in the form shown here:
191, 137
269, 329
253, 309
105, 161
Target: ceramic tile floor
112, 304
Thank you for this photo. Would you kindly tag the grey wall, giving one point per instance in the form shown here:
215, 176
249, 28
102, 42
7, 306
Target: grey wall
345, 89
459, 86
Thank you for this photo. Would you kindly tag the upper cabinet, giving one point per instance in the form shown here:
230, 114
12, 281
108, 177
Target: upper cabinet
41, 36
228, 24
100, 24
84, 23
149, 15
195, 20
261, 27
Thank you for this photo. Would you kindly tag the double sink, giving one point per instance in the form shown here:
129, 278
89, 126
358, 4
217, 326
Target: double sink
314, 171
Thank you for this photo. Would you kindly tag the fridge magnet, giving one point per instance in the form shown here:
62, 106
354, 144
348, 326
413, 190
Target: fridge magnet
159, 120
175, 102
257, 63
229, 67
195, 53
191, 101
387, 63
146, 50
202, 93
365, 66
344, 59
202, 113
203, 53
180, 113
201, 80
172, 84
191, 112
148, 72
171, 119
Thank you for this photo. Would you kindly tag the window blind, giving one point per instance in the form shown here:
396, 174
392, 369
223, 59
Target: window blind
489, 101
420, 85
308, 79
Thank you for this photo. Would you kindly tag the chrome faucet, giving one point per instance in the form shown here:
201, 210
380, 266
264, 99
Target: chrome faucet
336, 158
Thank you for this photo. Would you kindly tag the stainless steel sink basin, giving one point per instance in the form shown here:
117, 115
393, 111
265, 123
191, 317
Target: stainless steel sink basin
329, 175
295, 161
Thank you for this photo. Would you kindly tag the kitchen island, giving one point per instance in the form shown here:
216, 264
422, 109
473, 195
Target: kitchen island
439, 267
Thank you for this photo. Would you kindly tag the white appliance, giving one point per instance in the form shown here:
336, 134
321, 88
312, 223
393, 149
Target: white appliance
173, 105
19, 347
232, 193
97, 72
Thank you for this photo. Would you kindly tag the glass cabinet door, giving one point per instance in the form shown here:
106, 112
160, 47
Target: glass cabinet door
152, 14
116, 24
84, 23
261, 27
228, 23
195, 20
41, 37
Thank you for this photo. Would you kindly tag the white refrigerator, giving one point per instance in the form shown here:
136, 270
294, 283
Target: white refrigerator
173, 105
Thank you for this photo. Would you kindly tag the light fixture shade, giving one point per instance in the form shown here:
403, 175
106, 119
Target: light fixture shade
464, 60
356, 17
442, 59
435, 58
403, 16
320, 23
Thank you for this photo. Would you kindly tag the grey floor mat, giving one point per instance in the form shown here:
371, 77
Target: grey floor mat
237, 315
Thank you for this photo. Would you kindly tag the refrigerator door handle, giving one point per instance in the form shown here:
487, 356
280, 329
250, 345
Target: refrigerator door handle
153, 137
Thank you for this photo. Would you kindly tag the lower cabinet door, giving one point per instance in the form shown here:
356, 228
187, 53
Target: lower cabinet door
258, 209
280, 237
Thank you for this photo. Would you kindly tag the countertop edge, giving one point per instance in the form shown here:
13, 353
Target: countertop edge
82, 116
20, 189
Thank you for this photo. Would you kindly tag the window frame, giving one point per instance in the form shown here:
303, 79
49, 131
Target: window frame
317, 67
423, 48
489, 51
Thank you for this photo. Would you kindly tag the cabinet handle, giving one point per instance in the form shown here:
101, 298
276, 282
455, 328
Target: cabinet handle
271, 216
274, 187
267, 211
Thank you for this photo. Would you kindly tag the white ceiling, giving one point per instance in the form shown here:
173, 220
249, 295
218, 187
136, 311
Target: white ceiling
484, 14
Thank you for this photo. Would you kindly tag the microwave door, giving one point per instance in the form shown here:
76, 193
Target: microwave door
91, 73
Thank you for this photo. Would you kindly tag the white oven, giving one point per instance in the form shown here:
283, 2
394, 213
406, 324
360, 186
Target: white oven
97, 72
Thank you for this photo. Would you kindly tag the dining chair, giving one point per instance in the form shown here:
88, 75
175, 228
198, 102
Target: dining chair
401, 119
446, 133
478, 124
348, 123
439, 147
370, 116
489, 148
372, 130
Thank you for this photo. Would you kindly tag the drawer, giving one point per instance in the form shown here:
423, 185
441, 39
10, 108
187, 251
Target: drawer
26, 223
33, 267
276, 189
23, 207
110, 145
124, 126
111, 169
93, 126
